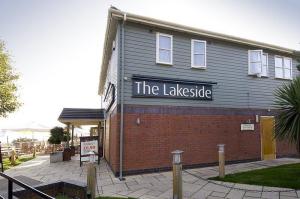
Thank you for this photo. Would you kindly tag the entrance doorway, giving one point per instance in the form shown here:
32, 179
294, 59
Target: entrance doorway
268, 142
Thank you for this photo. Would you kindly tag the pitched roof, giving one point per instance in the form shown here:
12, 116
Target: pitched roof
81, 116
114, 15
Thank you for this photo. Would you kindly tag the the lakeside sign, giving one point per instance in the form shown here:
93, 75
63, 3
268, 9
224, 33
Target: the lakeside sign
154, 87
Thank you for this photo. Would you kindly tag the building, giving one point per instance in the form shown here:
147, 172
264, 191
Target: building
167, 86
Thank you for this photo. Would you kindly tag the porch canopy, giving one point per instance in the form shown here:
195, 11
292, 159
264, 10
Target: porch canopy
81, 116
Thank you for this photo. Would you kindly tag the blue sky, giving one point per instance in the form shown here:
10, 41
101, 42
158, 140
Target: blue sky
56, 45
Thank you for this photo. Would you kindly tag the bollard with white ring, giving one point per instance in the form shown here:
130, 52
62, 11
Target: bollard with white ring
177, 174
221, 160
91, 176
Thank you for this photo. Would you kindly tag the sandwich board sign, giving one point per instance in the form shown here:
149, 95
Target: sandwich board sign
87, 145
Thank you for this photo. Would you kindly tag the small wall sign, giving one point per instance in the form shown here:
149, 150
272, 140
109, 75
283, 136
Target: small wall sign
247, 127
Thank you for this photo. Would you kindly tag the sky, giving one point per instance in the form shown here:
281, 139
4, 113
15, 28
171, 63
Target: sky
56, 45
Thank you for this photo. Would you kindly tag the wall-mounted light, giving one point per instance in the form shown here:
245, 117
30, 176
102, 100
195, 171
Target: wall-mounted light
138, 121
248, 121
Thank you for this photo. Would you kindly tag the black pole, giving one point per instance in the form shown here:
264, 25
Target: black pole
10, 189
1, 161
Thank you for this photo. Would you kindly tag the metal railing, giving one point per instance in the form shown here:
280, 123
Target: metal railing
23, 185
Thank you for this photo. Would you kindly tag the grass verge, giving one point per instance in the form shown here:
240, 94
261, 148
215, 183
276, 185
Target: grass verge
286, 176
7, 164
101, 197
104, 197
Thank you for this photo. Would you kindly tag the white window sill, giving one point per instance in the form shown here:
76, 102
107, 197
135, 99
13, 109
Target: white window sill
255, 75
164, 63
199, 67
281, 78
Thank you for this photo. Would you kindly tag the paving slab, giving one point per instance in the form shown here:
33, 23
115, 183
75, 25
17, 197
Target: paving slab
157, 185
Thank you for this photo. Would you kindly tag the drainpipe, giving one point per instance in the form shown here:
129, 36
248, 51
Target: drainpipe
122, 101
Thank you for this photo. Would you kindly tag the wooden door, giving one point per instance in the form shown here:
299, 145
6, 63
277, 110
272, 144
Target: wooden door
268, 142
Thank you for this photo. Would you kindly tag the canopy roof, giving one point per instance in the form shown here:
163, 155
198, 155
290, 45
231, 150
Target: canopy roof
81, 116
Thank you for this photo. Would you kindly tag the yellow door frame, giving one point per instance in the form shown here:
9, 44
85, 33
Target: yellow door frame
261, 137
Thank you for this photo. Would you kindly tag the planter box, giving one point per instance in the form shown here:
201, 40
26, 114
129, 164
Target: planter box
56, 157
67, 154
69, 189
72, 150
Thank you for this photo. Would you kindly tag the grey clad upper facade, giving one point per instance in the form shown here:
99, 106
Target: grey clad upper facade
245, 73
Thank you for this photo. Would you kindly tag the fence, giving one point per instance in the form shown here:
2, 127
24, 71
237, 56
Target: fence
11, 181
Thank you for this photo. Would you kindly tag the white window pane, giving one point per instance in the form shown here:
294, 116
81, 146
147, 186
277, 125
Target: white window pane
255, 56
165, 56
164, 42
255, 68
264, 71
278, 72
264, 59
287, 73
199, 60
287, 63
199, 47
278, 62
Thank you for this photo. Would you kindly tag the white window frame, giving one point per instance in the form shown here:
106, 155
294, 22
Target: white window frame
282, 67
158, 34
249, 62
267, 65
192, 54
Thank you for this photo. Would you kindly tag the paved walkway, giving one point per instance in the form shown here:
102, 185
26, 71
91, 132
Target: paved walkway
157, 185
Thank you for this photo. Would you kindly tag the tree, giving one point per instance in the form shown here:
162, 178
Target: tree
9, 100
287, 121
57, 135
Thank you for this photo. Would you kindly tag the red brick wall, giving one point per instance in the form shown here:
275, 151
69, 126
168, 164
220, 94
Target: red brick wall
114, 140
149, 145
285, 148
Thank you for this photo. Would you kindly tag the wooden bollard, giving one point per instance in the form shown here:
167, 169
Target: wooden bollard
34, 152
177, 174
13, 157
221, 160
91, 180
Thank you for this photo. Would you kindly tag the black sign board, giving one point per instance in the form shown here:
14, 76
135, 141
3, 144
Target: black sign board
154, 87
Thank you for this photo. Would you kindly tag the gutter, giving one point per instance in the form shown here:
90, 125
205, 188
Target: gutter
122, 101
191, 30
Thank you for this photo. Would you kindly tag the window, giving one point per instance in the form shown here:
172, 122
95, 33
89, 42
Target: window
283, 67
198, 53
255, 62
264, 71
164, 48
